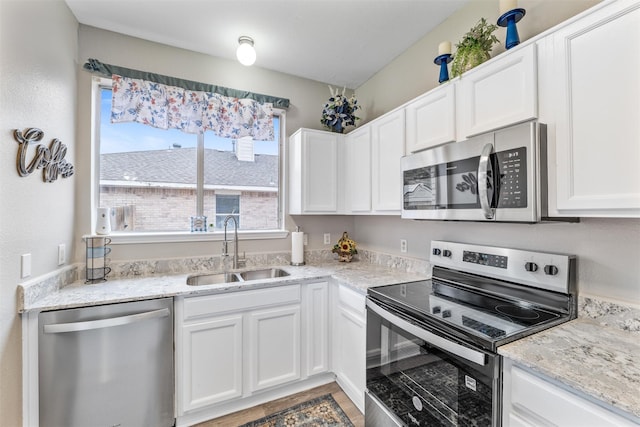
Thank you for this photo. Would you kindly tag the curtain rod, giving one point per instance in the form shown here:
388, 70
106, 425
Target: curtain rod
107, 70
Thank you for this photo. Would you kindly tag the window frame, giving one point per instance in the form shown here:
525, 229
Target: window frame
99, 83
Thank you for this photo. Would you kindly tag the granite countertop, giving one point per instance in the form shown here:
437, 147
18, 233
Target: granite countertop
597, 354
359, 275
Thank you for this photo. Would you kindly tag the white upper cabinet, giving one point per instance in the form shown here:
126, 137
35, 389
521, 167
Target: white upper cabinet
499, 93
387, 147
358, 171
314, 182
431, 119
596, 64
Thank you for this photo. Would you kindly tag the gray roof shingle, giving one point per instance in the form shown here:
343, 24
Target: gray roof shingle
178, 166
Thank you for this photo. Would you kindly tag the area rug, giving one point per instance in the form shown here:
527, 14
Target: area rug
321, 411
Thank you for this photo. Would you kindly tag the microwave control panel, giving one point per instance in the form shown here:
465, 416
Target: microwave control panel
512, 167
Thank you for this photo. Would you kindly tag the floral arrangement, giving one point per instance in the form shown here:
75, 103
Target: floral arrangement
474, 48
340, 111
345, 248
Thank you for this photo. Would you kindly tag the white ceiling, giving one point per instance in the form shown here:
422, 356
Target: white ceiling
341, 42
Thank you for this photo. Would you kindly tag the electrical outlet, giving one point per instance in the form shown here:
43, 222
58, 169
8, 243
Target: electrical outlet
305, 239
403, 245
25, 270
61, 254
327, 238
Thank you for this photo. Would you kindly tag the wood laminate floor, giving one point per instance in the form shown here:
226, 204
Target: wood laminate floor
251, 414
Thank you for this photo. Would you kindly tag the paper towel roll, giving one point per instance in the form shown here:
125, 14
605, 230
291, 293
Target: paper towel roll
297, 248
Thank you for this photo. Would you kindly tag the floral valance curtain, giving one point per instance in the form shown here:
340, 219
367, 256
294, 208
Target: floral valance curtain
172, 107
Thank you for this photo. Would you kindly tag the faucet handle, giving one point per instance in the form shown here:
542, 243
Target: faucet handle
225, 248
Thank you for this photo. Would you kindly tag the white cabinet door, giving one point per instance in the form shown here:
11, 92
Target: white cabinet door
274, 346
387, 147
500, 93
598, 113
431, 119
316, 332
358, 170
349, 343
314, 172
212, 361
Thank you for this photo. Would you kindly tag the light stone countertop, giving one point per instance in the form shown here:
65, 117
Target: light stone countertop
590, 354
359, 275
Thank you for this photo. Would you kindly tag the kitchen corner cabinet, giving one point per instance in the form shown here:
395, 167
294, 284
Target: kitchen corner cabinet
387, 147
431, 118
499, 93
314, 172
358, 171
532, 400
349, 343
597, 140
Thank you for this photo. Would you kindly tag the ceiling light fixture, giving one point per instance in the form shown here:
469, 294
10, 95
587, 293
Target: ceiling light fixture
246, 53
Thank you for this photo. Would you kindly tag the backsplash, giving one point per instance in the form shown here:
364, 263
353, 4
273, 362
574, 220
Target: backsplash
609, 314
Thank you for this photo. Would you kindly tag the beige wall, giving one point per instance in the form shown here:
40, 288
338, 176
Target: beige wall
38, 45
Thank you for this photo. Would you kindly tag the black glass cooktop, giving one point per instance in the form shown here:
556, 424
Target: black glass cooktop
488, 317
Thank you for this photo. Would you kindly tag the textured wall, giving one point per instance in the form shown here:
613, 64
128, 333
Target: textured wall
38, 44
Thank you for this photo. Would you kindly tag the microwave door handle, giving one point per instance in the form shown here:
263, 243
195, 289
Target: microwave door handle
483, 191
436, 340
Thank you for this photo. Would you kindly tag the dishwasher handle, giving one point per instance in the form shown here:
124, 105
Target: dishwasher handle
105, 323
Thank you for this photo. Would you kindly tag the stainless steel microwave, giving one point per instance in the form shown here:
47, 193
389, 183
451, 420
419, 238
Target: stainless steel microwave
498, 176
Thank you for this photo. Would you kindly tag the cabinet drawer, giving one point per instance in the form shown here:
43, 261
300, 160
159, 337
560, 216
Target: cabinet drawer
536, 398
195, 307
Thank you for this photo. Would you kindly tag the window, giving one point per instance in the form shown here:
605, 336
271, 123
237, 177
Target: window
225, 206
155, 180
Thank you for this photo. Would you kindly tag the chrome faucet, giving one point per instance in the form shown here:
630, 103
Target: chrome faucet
225, 243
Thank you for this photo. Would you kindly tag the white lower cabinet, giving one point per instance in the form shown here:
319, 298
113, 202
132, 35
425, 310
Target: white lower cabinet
212, 369
349, 343
274, 346
240, 349
316, 303
532, 400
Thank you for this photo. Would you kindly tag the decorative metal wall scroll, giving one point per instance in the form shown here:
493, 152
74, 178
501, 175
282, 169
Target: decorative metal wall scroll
50, 160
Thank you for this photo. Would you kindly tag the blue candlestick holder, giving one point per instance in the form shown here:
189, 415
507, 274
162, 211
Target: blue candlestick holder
509, 20
442, 61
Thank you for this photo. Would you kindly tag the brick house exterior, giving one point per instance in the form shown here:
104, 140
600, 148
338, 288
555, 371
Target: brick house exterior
156, 190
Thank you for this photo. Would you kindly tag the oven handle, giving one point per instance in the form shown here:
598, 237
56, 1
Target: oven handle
436, 340
483, 192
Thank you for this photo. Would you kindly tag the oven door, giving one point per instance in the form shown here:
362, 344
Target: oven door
416, 376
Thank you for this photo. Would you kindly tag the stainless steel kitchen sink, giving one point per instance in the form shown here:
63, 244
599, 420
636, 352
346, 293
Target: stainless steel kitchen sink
266, 273
212, 279
240, 276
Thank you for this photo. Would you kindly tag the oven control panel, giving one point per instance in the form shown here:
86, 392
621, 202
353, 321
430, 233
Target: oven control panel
540, 269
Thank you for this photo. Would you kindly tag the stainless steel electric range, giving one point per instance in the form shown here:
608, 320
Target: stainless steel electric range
432, 345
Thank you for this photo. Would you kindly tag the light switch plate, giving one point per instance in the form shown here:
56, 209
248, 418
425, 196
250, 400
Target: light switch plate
25, 266
61, 254
327, 238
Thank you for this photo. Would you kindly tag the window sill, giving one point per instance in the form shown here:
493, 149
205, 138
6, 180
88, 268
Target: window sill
182, 237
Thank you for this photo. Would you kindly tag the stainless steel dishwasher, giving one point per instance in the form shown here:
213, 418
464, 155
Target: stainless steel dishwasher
109, 365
